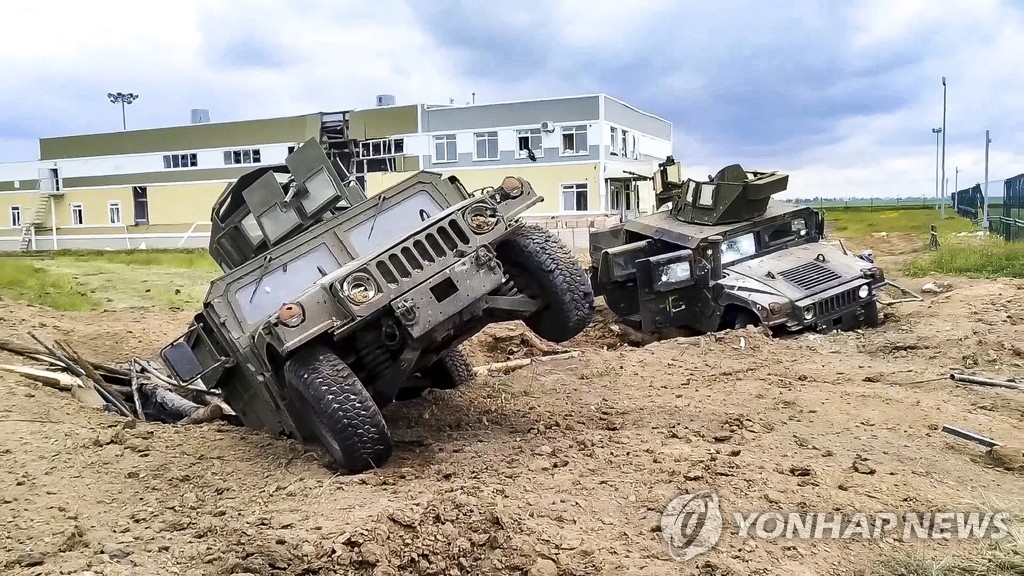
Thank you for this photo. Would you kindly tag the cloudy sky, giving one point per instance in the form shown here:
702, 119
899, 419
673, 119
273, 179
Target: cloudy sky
842, 95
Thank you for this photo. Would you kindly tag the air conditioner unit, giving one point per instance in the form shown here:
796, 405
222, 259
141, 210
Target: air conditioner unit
547, 126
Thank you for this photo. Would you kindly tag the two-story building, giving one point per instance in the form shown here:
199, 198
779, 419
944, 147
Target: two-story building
589, 156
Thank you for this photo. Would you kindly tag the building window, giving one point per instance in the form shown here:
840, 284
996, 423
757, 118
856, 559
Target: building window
574, 140
486, 146
614, 151
529, 140
77, 214
445, 149
244, 156
114, 212
624, 144
15, 216
187, 160
574, 197
291, 149
382, 148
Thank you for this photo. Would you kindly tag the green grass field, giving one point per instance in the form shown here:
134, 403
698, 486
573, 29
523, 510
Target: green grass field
857, 222
93, 280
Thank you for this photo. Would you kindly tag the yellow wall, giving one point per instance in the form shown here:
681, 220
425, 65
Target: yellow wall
546, 180
183, 203
94, 205
27, 201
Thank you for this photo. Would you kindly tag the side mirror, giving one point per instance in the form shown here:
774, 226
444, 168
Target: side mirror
182, 362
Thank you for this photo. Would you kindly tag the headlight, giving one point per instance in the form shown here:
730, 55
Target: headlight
808, 312
291, 315
863, 292
359, 288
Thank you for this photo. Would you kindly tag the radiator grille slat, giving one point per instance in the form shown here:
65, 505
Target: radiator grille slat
810, 275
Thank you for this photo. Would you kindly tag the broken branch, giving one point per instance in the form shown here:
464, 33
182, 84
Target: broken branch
513, 365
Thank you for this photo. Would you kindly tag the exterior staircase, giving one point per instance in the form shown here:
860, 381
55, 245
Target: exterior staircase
34, 220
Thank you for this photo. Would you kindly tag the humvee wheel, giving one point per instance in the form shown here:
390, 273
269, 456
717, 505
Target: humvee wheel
341, 411
542, 267
451, 370
871, 315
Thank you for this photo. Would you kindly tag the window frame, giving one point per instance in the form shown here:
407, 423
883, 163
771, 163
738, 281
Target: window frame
575, 188
575, 130
485, 138
81, 211
444, 140
15, 209
529, 133
111, 204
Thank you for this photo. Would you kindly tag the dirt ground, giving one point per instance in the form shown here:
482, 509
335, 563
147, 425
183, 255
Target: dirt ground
561, 468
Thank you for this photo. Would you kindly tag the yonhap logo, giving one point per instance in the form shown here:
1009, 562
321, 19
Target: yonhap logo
691, 524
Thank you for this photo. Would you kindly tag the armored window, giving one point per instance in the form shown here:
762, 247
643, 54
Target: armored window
574, 197
529, 140
739, 247
574, 140
486, 146
445, 149
15, 216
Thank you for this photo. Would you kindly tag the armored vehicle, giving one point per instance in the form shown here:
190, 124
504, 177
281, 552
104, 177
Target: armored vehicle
333, 305
723, 253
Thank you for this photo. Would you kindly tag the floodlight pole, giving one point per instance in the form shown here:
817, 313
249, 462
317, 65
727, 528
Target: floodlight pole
984, 210
943, 204
936, 132
124, 99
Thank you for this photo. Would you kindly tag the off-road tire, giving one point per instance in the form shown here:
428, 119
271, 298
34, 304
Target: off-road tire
451, 370
872, 317
341, 411
542, 267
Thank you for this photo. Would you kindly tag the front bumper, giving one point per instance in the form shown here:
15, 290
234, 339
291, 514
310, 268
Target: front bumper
840, 308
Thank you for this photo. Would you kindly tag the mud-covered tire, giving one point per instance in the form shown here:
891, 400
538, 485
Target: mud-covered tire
342, 413
543, 267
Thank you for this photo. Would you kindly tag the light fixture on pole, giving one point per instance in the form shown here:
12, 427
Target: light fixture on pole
956, 178
946, 183
936, 131
984, 211
124, 99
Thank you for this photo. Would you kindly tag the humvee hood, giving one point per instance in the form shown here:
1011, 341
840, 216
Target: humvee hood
797, 271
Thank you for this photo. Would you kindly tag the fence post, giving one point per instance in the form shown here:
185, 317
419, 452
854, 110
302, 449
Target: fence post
933, 239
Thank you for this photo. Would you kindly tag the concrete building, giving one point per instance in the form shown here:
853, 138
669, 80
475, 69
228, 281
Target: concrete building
587, 155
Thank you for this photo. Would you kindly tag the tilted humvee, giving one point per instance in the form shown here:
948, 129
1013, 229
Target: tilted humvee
724, 254
333, 305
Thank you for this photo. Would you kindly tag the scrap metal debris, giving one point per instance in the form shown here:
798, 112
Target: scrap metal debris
968, 379
138, 390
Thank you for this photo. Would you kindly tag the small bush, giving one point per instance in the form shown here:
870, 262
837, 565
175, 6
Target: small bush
27, 281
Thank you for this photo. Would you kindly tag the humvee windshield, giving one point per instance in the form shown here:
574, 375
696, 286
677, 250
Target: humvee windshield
276, 284
393, 222
772, 235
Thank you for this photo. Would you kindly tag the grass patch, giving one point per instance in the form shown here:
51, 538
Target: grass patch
858, 222
974, 257
196, 259
27, 281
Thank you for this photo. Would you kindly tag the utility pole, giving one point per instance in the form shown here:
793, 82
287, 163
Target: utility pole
936, 132
956, 179
984, 212
944, 179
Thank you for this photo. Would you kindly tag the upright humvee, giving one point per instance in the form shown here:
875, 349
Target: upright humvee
724, 254
333, 305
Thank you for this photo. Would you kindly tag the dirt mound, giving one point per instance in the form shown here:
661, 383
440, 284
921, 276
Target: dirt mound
561, 467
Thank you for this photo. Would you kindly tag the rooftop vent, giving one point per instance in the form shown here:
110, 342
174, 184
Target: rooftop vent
200, 115
385, 100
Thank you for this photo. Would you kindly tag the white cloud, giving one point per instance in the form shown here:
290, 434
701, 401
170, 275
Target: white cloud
262, 58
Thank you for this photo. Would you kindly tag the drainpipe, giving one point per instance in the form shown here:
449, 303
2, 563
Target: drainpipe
53, 222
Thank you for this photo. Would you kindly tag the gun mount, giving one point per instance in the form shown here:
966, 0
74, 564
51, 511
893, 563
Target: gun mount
733, 195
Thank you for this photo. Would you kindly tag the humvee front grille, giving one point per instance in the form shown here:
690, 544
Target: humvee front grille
810, 275
835, 303
425, 250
